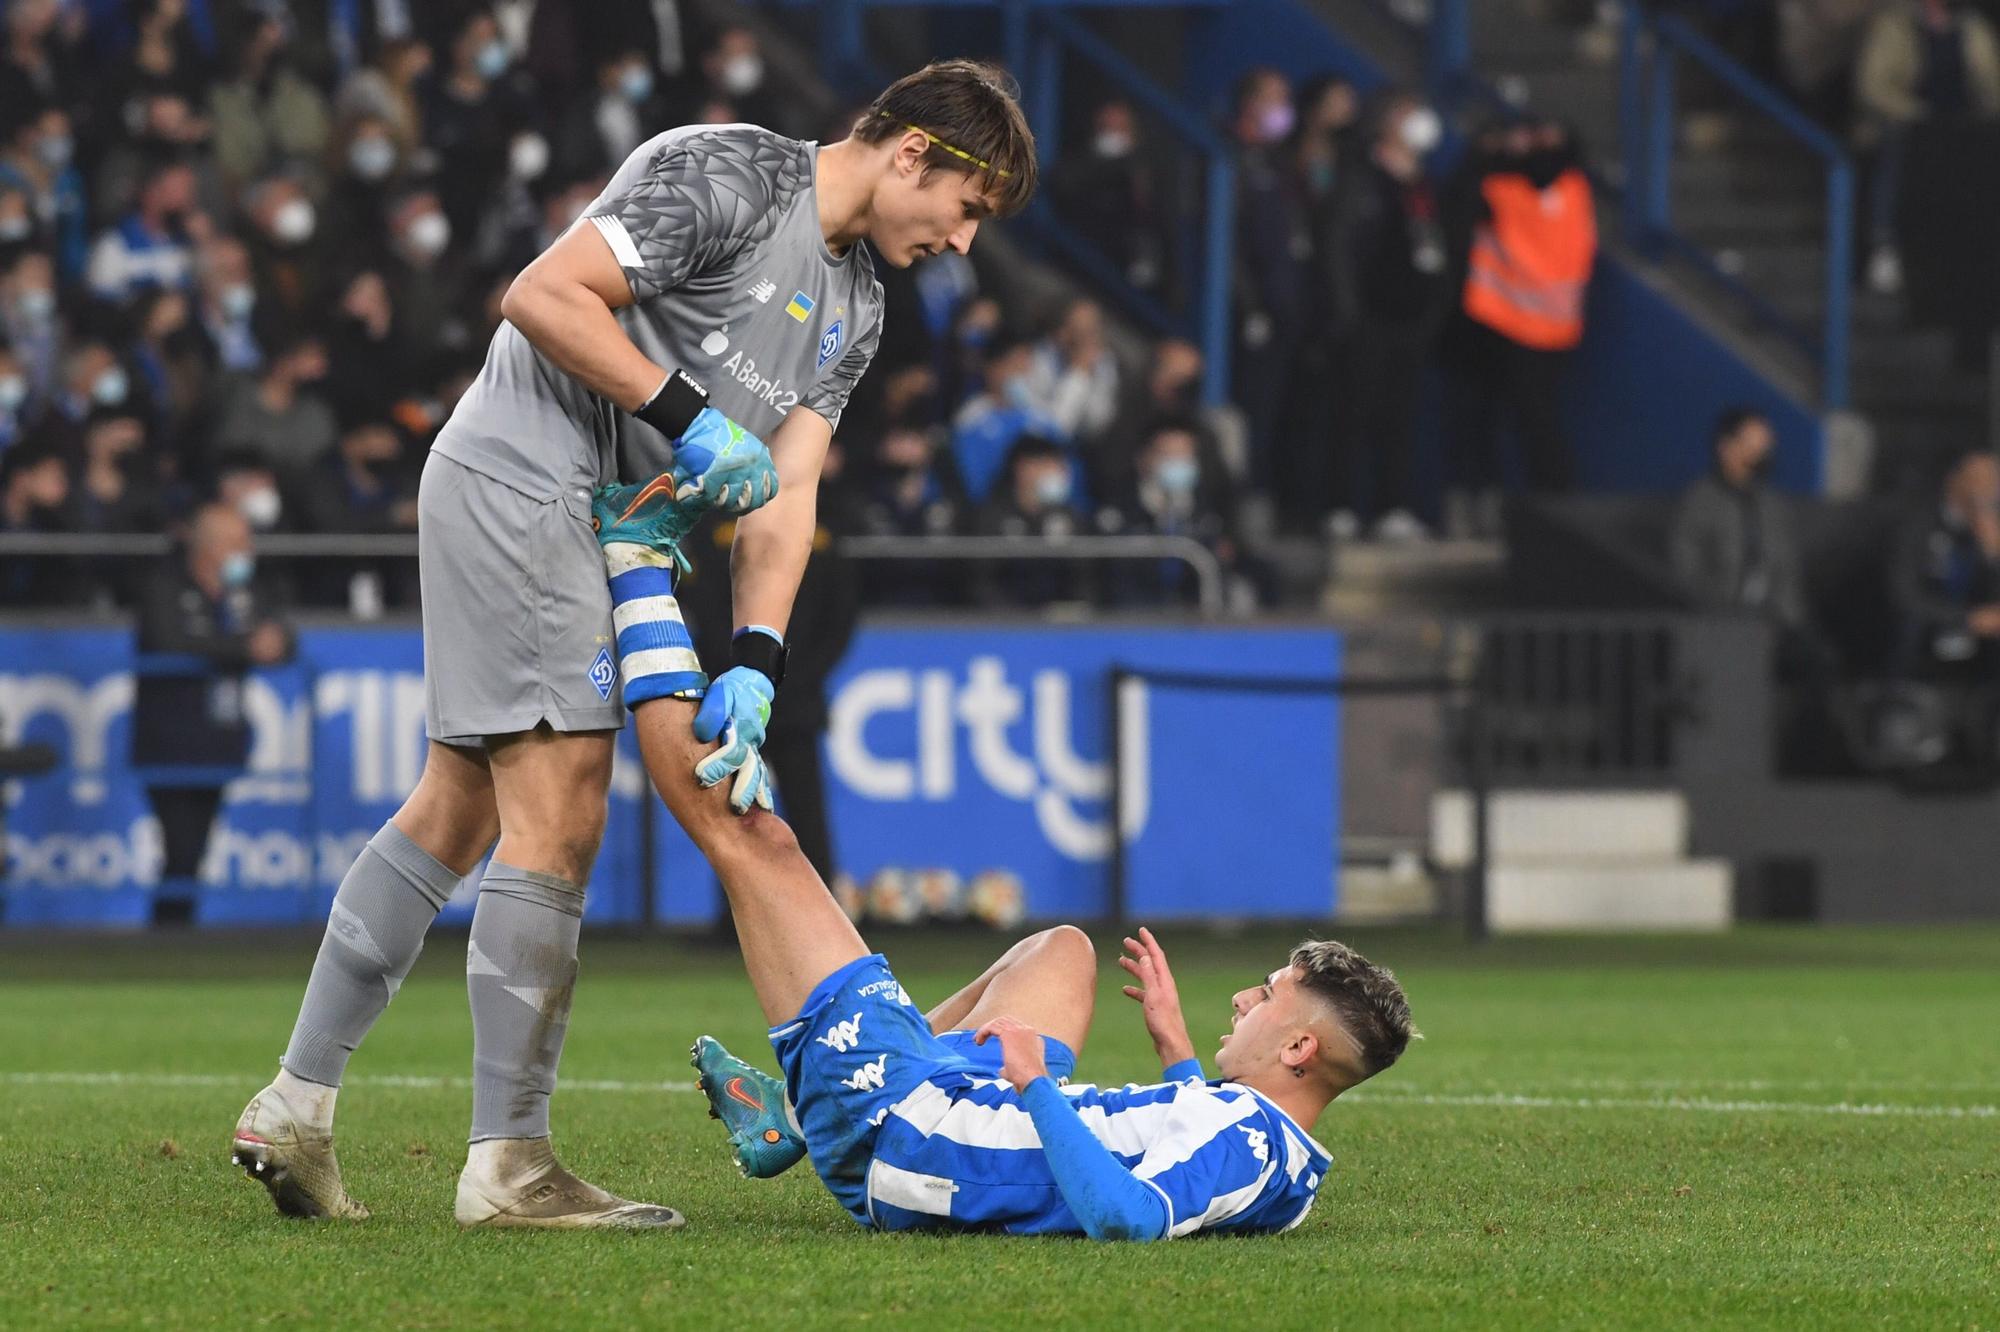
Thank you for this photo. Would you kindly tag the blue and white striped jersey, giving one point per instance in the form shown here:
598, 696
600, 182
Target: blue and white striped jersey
968, 1155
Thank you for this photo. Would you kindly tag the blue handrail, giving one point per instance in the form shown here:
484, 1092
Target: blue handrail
1647, 107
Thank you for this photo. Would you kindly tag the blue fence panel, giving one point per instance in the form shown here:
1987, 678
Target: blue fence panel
985, 748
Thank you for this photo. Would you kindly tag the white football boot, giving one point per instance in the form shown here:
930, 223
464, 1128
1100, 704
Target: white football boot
275, 1146
519, 1182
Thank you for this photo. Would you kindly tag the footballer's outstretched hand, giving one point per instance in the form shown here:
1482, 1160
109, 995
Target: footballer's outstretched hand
1158, 997
1021, 1059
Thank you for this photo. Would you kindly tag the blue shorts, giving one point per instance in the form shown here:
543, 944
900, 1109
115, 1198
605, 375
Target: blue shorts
860, 1045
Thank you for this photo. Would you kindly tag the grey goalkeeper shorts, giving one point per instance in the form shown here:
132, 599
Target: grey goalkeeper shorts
517, 613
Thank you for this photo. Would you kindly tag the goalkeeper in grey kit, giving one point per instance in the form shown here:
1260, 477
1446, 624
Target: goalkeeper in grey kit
686, 347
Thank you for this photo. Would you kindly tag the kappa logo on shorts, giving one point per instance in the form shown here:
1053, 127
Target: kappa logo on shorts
829, 343
604, 673
869, 1076
842, 1036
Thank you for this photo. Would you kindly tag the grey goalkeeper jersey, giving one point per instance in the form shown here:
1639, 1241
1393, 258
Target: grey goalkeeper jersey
717, 229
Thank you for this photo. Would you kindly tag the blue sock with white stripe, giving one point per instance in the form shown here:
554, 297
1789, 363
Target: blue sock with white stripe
655, 654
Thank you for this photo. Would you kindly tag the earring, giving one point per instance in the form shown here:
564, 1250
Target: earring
1298, 1072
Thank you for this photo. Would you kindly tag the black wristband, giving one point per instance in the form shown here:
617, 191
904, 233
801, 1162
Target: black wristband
761, 652
672, 409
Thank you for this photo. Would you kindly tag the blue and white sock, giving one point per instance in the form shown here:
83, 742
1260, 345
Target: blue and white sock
655, 654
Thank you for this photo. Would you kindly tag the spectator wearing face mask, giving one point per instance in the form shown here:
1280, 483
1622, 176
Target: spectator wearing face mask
30, 321
244, 481
1385, 262
1034, 496
150, 246
732, 71
1169, 497
1272, 247
203, 623
387, 90
226, 304
367, 169
37, 158
987, 428
511, 223
619, 112
93, 380
426, 280
286, 249
279, 415
1115, 194
268, 117
470, 118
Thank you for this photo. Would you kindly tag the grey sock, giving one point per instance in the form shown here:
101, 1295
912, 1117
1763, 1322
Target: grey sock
387, 900
520, 971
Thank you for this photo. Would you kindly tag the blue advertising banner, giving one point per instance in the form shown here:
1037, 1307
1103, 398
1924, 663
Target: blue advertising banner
984, 747
956, 749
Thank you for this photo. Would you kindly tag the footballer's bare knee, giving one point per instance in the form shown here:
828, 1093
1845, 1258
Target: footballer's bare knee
1068, 947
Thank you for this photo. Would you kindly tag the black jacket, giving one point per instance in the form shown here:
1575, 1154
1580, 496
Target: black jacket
192, 712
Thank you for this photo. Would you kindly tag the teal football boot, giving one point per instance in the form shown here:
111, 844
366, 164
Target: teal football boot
751, 1105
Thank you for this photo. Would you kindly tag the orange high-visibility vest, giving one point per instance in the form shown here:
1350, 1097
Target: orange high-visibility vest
1531, 261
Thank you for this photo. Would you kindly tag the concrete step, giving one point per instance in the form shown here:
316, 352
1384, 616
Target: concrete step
1562, 826
1681, 895
1376, 894
1725, 177
1370, 577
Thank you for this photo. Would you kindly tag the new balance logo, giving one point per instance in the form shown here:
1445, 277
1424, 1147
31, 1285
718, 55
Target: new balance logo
1260, 1142
842, 1036
868, 1077
764, 290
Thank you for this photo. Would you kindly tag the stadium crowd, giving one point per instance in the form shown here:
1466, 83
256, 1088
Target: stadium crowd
258, 253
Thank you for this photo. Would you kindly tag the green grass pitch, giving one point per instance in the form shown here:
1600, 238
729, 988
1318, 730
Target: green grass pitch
1778, 1128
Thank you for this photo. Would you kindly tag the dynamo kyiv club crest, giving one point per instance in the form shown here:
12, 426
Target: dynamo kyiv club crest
604, 673
829, 344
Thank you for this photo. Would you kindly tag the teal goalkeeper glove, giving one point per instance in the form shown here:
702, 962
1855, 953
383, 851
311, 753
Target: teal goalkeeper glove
716, 461
723, 465
734, 712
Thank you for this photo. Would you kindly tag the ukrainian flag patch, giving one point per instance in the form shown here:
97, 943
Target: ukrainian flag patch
799, 306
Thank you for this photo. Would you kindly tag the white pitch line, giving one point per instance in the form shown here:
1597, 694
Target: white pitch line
1510, 1101
1378, 1096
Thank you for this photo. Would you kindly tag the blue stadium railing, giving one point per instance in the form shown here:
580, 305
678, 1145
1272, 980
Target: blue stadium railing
1651, 46
1035, 36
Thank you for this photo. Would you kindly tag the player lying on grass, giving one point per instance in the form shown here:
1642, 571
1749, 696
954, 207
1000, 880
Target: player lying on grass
958, 1119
